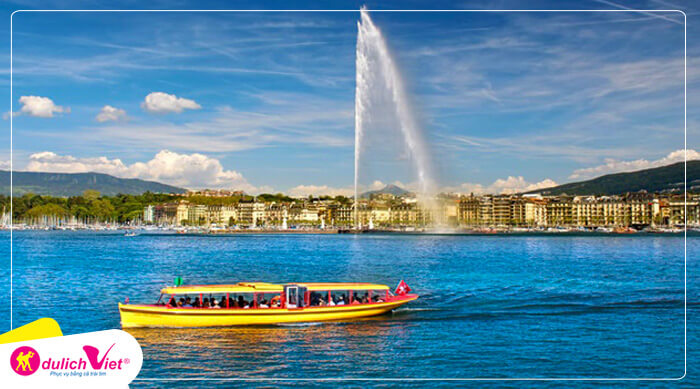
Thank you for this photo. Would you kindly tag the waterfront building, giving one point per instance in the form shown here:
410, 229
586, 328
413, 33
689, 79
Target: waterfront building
587, 211
276, 214
149, 214
198, 215
536, 212
226, 215
486, 211
637, 210
559, 211
450, 214
182, 213
251, 214
468, 212
381, 215
501, 211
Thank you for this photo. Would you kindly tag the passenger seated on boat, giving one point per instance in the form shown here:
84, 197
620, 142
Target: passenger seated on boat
214, 303
241, 302
180, 302
341, 300
331, 303
314, 299
263, 304
188, 302
172, 302
378, 299
275, 302
365, 299
205, 302
197, 303
231, 302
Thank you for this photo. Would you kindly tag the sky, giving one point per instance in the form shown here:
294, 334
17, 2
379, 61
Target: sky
264, 101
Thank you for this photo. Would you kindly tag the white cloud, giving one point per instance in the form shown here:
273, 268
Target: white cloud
109, 113
4, 165
37, 106
508, 185
616, 166
194, 171
159, 102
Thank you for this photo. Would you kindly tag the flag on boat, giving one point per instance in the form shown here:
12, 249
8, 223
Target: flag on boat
402, 288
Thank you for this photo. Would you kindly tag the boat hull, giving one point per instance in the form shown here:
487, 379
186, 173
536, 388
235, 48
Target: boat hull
135, 316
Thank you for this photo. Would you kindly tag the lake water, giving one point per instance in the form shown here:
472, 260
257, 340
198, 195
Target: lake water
490, 306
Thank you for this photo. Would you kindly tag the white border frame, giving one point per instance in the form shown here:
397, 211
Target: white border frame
685, 188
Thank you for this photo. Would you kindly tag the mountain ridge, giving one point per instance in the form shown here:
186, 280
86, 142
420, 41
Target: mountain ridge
663, 179
74, 184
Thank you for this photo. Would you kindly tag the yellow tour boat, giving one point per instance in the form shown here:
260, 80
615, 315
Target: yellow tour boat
250, 303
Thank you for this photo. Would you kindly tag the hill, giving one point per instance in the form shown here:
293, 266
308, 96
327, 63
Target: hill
665, 179
390, 189
73, 184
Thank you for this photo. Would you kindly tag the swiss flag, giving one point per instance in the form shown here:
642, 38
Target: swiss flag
402, 288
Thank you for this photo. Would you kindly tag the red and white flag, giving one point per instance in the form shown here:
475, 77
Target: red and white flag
402, 288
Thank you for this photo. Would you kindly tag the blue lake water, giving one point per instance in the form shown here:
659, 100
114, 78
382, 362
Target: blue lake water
490, 306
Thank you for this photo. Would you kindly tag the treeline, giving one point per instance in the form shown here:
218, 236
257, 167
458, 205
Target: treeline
92, 207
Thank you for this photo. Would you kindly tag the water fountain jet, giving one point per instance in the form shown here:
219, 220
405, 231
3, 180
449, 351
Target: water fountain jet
377, 75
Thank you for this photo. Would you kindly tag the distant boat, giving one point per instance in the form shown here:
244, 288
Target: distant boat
130, 233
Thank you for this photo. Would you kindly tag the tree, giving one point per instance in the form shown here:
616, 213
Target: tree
47, 210
91, 194
102, 209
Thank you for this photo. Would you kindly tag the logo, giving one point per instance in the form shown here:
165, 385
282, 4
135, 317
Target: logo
93, 352
25, 361
85, 360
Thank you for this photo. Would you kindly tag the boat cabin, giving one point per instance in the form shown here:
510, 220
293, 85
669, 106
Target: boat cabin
260, 295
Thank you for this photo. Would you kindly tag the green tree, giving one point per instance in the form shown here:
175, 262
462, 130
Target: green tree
101, 209
91, 195
47, 210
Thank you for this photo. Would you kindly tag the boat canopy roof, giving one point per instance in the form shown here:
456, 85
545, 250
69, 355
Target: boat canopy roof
264, 287
241, 287
342, 286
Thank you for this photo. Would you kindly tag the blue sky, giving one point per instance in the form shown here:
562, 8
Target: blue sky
265, 101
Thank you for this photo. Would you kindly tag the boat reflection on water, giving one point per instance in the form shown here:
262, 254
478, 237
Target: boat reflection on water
286, 350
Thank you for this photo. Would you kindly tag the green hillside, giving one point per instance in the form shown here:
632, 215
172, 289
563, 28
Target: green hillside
665, 179
73, 184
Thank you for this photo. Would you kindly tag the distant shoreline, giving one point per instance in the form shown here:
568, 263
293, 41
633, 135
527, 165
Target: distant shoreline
137, 233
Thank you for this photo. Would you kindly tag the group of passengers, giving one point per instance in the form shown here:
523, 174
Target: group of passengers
241, 302
317, 299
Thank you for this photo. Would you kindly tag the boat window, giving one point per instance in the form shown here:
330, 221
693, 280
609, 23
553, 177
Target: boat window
378, 296
295, 296
292, 296
268, 300
356, 297
241, 300
318, 298
339, 297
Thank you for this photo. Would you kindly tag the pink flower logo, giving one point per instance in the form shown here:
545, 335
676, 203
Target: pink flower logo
25, 361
